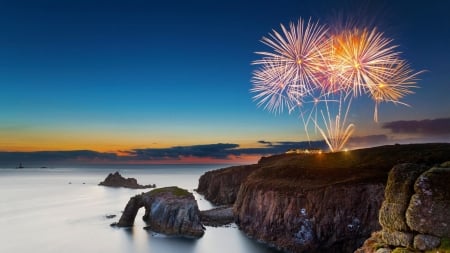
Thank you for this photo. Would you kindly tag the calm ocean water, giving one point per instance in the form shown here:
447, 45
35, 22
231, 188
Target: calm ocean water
41, 212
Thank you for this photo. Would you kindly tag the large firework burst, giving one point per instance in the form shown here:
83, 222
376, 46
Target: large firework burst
297, 58
310, 65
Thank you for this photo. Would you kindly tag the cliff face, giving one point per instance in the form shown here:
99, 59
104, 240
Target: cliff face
315, 203
221, 186
333, 218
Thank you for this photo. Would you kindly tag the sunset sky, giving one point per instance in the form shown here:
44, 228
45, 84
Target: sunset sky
139, 81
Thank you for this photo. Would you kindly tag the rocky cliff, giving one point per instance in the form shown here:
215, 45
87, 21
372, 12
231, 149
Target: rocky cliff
221, 186
415, 213
318, 202
169, 210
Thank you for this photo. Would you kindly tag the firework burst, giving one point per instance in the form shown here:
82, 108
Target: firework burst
310, 65
298, 57
359, 59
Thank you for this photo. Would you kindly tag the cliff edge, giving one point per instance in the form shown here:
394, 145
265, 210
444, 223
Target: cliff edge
315, 202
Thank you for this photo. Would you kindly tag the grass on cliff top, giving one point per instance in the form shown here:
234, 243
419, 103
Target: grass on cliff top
176, 191
362, 166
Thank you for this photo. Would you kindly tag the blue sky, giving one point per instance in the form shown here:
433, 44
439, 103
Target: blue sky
124, 75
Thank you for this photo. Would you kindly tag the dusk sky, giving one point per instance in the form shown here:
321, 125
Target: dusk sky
170, 80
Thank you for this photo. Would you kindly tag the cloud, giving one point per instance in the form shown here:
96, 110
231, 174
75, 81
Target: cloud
268, 143
43, 158
422, 127
217, 151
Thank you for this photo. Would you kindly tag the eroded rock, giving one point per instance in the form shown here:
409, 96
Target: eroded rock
170, 210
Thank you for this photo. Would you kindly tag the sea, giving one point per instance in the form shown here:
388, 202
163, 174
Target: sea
64, 210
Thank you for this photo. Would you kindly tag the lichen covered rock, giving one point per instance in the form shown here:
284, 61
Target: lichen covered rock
429, 208
399, 188
424, 225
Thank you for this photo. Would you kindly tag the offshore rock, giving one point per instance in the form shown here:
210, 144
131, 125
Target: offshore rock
218, 216
117, 180
169, 210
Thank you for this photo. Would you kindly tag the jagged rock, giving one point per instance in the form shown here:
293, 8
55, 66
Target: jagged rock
397, 238
399, 188
116, 180
428, 211
169, 210
426, 242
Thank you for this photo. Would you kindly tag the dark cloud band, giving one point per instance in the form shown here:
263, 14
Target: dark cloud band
423, 127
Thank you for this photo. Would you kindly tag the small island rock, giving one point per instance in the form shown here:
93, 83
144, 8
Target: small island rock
117, 180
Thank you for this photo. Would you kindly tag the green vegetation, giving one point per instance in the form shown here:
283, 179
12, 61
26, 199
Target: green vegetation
173, 190
403, 250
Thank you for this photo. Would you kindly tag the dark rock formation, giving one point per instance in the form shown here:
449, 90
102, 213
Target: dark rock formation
333, 218
419, 199
116, 180
318, 202
170, 210
218, 216
221, 186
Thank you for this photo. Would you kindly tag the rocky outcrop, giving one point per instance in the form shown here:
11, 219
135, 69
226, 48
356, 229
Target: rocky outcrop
221, 186
170, 210
117, 180
415, 213
318, 202
218, 216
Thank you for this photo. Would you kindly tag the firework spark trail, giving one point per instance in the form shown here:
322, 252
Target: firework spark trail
309, 65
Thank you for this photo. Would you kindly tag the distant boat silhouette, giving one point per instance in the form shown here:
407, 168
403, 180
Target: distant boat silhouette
20, 166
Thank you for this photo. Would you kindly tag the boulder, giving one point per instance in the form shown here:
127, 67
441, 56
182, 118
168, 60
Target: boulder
399, 188
428, 211
397, 238
426, 242
117, 180
169, 210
